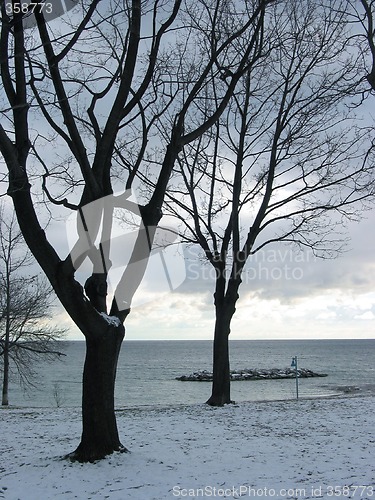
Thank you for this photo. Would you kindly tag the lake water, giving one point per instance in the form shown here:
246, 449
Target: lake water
147, 371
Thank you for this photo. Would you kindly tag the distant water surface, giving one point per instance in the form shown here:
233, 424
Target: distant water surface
147, 371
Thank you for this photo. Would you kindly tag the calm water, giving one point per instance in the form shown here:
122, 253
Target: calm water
147, 371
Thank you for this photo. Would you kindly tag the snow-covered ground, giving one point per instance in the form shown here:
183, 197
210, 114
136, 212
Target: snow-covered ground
307, 449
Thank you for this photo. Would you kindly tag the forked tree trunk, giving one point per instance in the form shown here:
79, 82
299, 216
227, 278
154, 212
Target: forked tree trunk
221, 367
100, 435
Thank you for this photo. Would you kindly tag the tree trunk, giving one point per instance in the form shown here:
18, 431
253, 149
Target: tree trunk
5, 400
221, 370
100, 435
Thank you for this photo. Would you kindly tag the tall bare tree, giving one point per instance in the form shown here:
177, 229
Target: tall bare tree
96, 86
25, 310
287, 163
364, 16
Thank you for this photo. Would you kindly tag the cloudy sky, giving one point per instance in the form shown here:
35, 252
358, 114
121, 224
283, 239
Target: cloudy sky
284, 295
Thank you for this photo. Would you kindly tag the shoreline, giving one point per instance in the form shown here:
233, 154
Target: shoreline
342, 395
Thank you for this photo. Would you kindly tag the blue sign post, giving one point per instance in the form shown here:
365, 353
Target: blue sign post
295, 366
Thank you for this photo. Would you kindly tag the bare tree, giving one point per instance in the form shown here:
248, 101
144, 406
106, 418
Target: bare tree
97, 87
25, 310
287, 163
364, 15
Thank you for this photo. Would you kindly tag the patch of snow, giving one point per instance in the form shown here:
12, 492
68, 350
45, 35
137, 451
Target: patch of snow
111, 320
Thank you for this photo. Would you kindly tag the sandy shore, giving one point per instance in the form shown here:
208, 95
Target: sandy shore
291, 449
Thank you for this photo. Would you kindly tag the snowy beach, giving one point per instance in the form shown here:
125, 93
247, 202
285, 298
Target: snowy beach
318, 448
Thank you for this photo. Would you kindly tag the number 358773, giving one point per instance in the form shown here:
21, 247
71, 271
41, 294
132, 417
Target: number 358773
27, 8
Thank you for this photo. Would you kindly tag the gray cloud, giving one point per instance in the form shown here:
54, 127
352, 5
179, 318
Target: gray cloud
279, 272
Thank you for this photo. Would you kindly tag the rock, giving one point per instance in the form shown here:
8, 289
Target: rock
251, 374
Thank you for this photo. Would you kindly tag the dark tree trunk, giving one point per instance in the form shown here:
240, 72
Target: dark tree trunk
5, 400
100, 435
221, 369
225, 307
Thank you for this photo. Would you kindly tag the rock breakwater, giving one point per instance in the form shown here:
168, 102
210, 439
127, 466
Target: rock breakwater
253, 374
